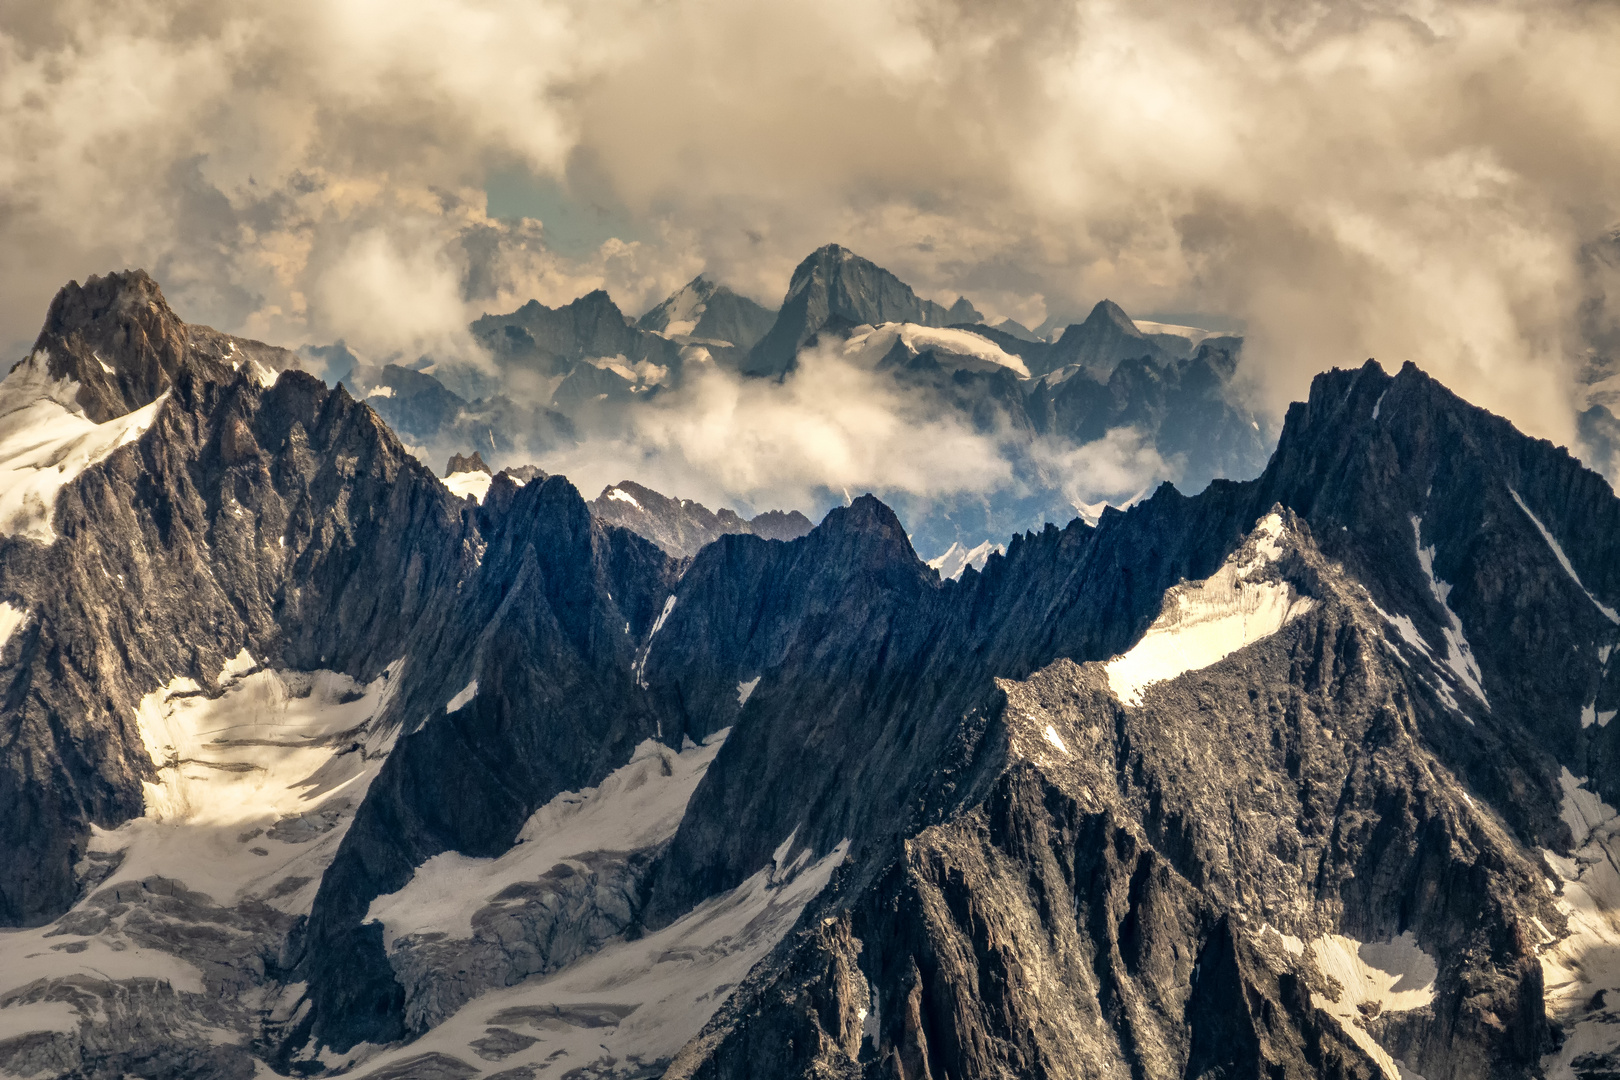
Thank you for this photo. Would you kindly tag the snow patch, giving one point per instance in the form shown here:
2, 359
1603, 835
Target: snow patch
682, 311
1459, 655
11, 620
271, 746
1055, 739
261, 376
639, 805
639, 668
1578, 969
636, 1003
1194, 335
1563, 560
466, 694
1291, 944
1379, 404
1391, 976
1409, 633
958, 558
46, 441
745, 690
238, 665
37, 1016
669, 606
256, 788
959, 350
1205, 622
474, 482
620, 495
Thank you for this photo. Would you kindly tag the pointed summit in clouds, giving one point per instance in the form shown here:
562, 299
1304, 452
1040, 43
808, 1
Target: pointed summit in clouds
963, 311
834, 287
1098, 345
706, 311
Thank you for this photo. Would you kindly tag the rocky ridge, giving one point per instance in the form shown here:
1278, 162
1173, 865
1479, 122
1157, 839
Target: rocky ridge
682, 527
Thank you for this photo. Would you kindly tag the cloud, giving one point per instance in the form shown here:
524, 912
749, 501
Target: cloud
1117, 469
828, 426
1406, 180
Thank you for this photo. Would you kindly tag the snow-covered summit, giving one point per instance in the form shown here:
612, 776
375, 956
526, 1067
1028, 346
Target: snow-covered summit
958, 558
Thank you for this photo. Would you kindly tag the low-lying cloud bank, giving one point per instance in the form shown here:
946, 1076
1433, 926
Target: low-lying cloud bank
831, 429
1420, 181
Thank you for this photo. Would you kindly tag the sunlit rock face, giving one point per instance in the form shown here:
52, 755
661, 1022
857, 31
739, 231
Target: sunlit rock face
314, 763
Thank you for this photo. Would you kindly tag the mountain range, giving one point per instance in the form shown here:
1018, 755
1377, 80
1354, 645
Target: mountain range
310, 764
565, 376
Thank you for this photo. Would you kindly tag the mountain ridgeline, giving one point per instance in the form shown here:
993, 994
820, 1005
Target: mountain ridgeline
559, 378
310, 765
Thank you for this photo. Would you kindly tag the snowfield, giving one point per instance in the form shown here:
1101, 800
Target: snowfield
46, 441
958, 350
1205, 622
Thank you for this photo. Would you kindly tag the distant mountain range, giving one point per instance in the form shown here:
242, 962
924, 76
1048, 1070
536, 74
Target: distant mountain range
566, 375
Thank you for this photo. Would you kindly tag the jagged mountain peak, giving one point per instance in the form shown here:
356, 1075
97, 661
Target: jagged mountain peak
1101, 342
705, 311
76, 306
963, 311
834, 288
869, 530
118, 339
1106, 311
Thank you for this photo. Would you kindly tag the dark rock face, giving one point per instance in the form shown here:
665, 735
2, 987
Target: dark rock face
547, 628
836, 288
682, 527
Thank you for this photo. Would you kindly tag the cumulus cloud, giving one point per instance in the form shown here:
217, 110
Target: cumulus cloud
1115, 470
1405, 179
830, 426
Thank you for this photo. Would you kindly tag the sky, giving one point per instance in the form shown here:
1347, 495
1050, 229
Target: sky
1420, 181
